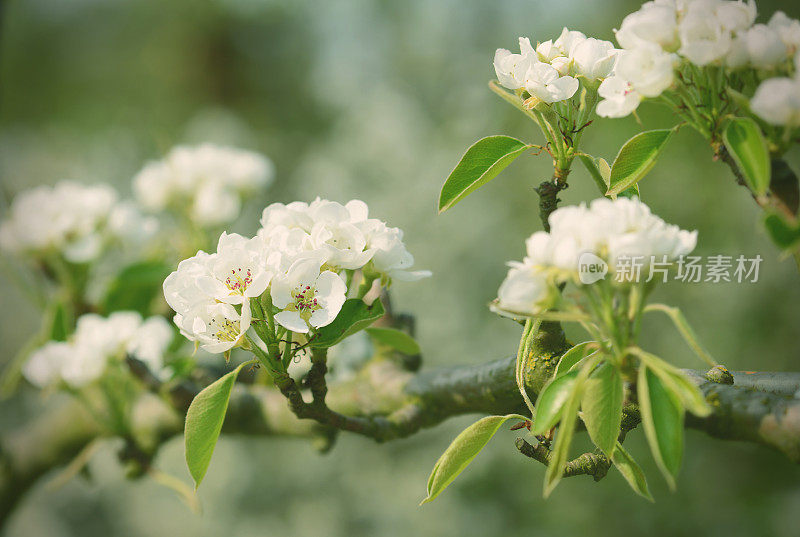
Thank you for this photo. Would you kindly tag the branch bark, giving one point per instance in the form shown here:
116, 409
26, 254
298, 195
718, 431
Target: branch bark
758, 407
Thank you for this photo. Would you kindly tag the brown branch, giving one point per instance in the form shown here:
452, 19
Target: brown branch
593, 464
387, 401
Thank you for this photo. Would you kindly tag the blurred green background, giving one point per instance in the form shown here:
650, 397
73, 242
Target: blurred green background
378, 100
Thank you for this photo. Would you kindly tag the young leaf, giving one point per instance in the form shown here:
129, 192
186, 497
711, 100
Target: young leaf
551, 400
480, 164
575, 355
678, 383
690, 395
630, 471
602, 406
60, 322
555, 468
605, 170
747, 146
396, 339
355, 315
783, 234
135, 287
636, 158
204, 422
662, 417
630, 192
594, 171
461, 451
685, 329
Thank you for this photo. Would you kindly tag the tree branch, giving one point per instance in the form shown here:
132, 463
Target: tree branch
757, 408
594, 464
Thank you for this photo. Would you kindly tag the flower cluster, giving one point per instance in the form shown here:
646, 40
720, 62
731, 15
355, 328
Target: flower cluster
301, 260
607, 229
98, 340
72, 220
205, 182
665, 34
550, 72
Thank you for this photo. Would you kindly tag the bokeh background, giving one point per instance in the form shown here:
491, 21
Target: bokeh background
378, 100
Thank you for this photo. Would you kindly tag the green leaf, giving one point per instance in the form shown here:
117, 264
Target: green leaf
783, 234
636, 158
690, 395
60, 322
480, 164
575, 355
746, 144
204, 422
662, 417
396, 339
594, 171
136, 287
630, 471
605, 170
678, 383
551, 400
602, 406
461, 451
630, 192
566, 431
355, 315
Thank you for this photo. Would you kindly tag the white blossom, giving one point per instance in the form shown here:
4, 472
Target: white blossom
525, 291
68, 219
300, 256
44, 365
619, 97
547, 51
777, 101
335, 233
181, 288
653, 23
107, 335
85, 365
606, 228
649, 70
205, 288
205, 181
217, 327
324, 227
96, 341
215, 204
764, 47
703, 37
736, 16
390, 256
594, 58
309, 297
545, 83
342, 236
627, 227
568, 41
788, 31
239, 270
511, 68
738, 55
128, 224
150, 342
